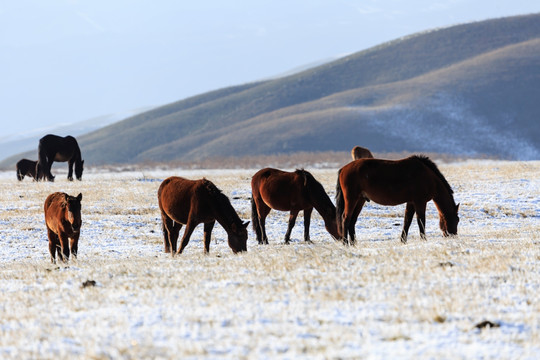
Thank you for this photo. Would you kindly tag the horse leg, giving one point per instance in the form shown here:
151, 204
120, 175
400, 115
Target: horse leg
292, 221
74, 245
347, 222
190, 227
263, 213
409, 214
207, 235
307, 222
166, 225
421, 219
70, 169
53, 243
354, 218
173, 235
64, 246
47, 168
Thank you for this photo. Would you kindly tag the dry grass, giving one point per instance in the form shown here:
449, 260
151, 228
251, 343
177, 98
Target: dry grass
380, 299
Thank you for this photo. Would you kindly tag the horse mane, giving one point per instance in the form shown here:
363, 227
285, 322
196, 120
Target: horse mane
305, 174
222, 201
316, 190
211, 187
430, 164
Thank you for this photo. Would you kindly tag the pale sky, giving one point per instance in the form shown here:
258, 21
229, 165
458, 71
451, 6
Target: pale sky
64, 61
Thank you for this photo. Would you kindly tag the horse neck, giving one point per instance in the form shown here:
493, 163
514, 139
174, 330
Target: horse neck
77, 155
225, 214
444, 200
323, 205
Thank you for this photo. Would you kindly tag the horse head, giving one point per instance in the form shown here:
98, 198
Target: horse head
79, 167
238, 236
72, 206
332, 227
449, 222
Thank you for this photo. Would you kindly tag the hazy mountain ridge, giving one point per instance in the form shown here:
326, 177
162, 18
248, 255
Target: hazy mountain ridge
465, 90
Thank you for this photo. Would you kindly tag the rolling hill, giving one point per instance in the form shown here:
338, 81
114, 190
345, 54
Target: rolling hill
470, 89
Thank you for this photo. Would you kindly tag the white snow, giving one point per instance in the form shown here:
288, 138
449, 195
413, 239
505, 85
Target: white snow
380, 299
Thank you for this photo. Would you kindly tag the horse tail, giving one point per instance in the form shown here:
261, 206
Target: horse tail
20, 176
255, 218
340, 204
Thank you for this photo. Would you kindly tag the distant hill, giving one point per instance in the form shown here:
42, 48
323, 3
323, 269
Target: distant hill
470, 89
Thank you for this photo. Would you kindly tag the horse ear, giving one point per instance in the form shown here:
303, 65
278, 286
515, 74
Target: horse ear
79, 197
457, 207
245, 225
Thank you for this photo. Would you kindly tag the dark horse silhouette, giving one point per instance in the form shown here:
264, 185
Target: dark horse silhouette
63, 220
191, 202
414, 180
289, 191
56, 148
27, 167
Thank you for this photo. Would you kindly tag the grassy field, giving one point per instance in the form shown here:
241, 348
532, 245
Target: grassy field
124, 298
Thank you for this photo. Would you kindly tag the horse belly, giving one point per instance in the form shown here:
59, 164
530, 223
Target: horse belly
281, 204
178, 215
61, 157
386, 198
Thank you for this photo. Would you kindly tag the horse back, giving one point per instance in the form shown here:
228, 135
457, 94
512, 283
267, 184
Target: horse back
359, 152
64, 147
180, 198
388, 182
280, 190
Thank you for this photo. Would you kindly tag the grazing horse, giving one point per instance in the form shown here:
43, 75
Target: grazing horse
27, 167
191, 202
289, 191
56, 148
414, 181
359, 152
63, 220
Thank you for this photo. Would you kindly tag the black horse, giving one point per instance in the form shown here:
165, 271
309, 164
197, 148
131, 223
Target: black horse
56, 148
27, 167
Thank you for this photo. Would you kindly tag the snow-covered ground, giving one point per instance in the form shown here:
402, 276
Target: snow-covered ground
380, 299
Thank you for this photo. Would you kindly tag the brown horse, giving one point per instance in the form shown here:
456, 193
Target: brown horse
414, 180
26, 167
289, 191
56, 148
63, 220
359, 152
191, 202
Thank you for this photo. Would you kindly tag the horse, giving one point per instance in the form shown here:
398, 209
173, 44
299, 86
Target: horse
56, 148
63, 221
414, 181
27, 167
289, 191
191, 202
359, 152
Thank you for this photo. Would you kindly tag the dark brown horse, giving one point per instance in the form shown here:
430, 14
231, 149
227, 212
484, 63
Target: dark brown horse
359, 152
56, 148
27, 167
289, 191
414, 181
63, 220
191, 202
